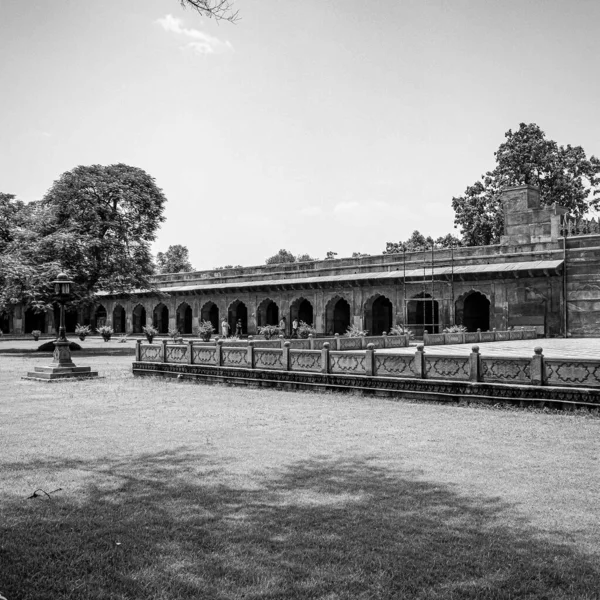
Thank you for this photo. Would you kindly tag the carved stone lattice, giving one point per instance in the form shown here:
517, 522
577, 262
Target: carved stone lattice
303, 361
573, 373
348, 363
151, 353
176, 354
447, 368
506, 370
207, 356
350, 343
268, 359
235, 357
399, 366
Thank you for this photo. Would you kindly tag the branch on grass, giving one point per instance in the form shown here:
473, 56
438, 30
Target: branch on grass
36, 495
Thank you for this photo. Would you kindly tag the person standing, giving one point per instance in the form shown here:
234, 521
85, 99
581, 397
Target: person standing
295, 328
238, 328
224, 328
282, 327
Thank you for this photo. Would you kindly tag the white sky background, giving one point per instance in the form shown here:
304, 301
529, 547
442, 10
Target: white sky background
311, 126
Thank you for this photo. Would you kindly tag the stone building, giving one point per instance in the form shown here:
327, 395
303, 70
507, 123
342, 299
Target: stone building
543, 274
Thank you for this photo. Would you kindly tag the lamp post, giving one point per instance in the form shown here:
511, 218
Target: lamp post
62, 366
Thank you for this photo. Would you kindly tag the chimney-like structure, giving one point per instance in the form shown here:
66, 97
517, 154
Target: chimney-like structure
525, 220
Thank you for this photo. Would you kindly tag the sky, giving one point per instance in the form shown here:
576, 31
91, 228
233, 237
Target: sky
314, 126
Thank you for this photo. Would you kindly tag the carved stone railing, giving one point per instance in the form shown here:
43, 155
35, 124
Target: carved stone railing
477, 337
570, 226
536, 370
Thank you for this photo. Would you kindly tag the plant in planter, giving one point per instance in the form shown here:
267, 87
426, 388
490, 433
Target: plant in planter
105, 331
354, 331
204, 330
150, 332
401, 330
83, 331
36, 334
269, 331
455, 329
304, 330
175, 335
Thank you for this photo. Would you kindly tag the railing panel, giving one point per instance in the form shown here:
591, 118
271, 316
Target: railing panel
348, 362
517, 334
506, 370
300, 344
447, 367
529, 334
435, 339
377, 341
318, 343
177, 353
471, 337
235, 357
487, 336
396, 341
268, 359
502, 336
393, 365
573, 372
454, 338
350, 343
151, 352
205, 355
305, 360
267, 343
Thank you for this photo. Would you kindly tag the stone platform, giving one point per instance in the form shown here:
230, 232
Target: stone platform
51, 373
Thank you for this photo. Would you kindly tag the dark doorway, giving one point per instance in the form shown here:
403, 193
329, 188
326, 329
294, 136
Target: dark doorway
237, 311
378, 315
139, 319
210, 312
267, 313
4, 322
35, 320
184, 318
119, 320
338, 316
160, 318
476, 312
99, 317
422, 314
302, 310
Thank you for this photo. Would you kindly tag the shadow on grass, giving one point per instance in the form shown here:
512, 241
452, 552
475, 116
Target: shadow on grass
163, 526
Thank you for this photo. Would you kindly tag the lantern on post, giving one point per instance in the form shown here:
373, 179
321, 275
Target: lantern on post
62, 289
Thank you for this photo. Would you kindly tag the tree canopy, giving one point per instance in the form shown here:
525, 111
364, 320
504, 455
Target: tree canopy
95, 223
417, 242
564, 175
221, 10
175, 260
285, 256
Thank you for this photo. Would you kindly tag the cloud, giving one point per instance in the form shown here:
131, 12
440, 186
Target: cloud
201, 43
311, 211
345, 207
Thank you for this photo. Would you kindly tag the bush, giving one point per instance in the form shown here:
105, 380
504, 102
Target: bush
401, 330
49, 347
354, 331
83, 330
304, 330
269, 331
149, 330
455, 329
205, 330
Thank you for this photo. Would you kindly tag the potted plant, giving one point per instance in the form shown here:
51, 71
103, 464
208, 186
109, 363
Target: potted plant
175, 335
105, 331
82, 331
36, 334
150, 332
304, 330
269, 331
204, 330
354, 331
401, 330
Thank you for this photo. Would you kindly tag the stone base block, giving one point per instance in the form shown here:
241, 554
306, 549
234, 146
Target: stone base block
60, 373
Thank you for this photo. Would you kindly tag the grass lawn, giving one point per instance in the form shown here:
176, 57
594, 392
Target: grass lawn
176, 490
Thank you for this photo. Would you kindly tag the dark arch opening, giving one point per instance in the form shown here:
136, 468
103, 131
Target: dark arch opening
119, 320
378, 315
35, 320
337, 316
184, 318
476, 312
267, 313
99, 317
422, 314
237, 311
4, 322
139, 319
210, 312
160, 318
302, 310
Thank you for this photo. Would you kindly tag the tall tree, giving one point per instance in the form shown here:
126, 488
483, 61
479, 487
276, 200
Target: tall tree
417, 242
175, 260
564, 175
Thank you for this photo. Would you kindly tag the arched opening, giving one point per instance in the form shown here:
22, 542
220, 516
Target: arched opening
422, 314
99, 319
35, 320
378, 315
139, 319
237, 312
119, 320
267, 313
210, 312
184, 318
5, 322
475, 312
302, 310
337, 316
160, 318
70, 318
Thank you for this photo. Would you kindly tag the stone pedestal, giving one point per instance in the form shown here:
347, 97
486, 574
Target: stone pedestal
62, 366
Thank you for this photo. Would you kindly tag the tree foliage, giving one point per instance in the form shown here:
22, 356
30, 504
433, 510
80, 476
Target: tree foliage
285, 256
221, 10
417, 242
175, 260
95, 223
563, 174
